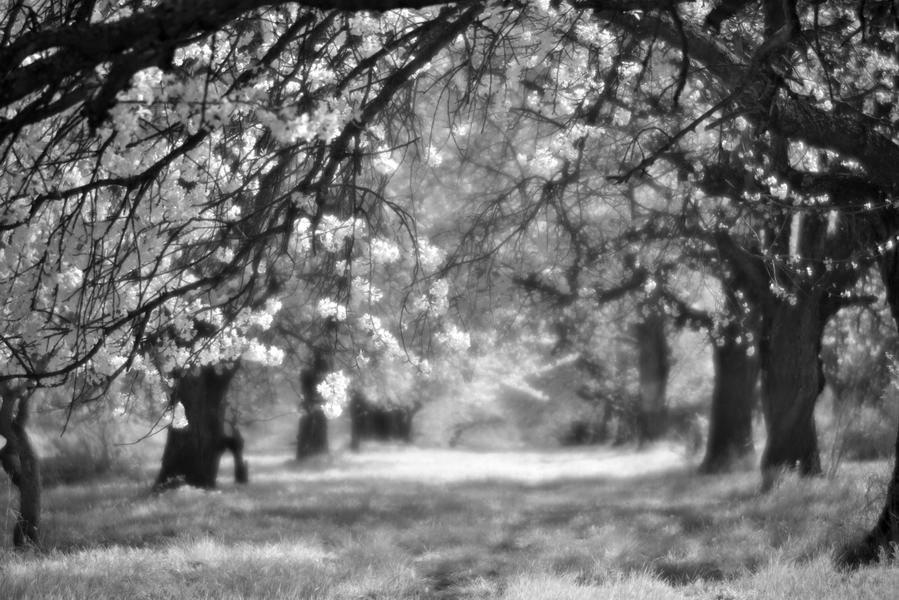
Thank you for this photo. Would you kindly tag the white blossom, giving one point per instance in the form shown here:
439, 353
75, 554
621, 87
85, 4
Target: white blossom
455, 339
329, 308
179, 418
384, 251
384, 163
334, 390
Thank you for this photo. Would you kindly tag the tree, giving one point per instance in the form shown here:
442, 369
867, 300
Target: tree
192, 450
196, 387
735, 395
312, 436
832, 138
140, 181
20, 461
653, 365
797, 270
132, 138
156, 159
884, 534
732, 330
859, 347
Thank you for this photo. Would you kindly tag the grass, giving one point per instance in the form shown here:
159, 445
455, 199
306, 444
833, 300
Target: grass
413, 523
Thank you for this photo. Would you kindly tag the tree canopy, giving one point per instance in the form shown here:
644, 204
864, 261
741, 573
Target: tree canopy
175, 173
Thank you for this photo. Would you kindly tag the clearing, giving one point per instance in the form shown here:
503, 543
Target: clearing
417, 523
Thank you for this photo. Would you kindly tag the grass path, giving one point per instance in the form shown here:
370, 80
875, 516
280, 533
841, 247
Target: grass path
411, 523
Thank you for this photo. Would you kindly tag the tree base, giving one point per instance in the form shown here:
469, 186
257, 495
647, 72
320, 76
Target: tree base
651, 426
772, 474
185, 461
370, 421
312, 437
20, 462
241, 472
866, 551
882, 542
726, 463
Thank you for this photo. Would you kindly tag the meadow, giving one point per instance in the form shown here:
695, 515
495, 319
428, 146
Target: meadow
424, 523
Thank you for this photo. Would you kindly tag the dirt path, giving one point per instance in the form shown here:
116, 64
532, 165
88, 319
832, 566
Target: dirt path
448, 466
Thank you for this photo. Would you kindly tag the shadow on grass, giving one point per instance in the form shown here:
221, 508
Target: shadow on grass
679, 526
689, 571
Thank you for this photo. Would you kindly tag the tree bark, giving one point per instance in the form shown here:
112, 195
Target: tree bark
312, 434
792, 379
653, 366
21, 463
733, 398
192, 454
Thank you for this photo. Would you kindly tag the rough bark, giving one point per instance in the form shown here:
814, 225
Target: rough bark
653, 366
735, 393
192, 454
792, 380
21, 463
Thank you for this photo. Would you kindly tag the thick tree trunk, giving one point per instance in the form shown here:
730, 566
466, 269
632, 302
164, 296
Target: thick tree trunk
312, 434
792, 380
192, 454
885, 533
653, 366
733, 398
21, 463
312, 437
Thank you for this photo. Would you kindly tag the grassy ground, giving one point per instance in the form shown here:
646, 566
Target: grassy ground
414, 523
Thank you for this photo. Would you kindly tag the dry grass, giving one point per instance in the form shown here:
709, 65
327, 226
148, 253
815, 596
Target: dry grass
415, 523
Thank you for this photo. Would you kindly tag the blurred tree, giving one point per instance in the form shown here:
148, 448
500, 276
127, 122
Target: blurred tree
858, 354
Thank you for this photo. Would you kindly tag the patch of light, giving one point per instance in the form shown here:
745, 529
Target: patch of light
440, 466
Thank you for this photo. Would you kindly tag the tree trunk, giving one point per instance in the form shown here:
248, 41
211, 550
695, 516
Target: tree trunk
730, 424
312, 434
885, 533
357, 419
21, 464
234, 444
792, 379
312, 437
192, 454
653, 366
